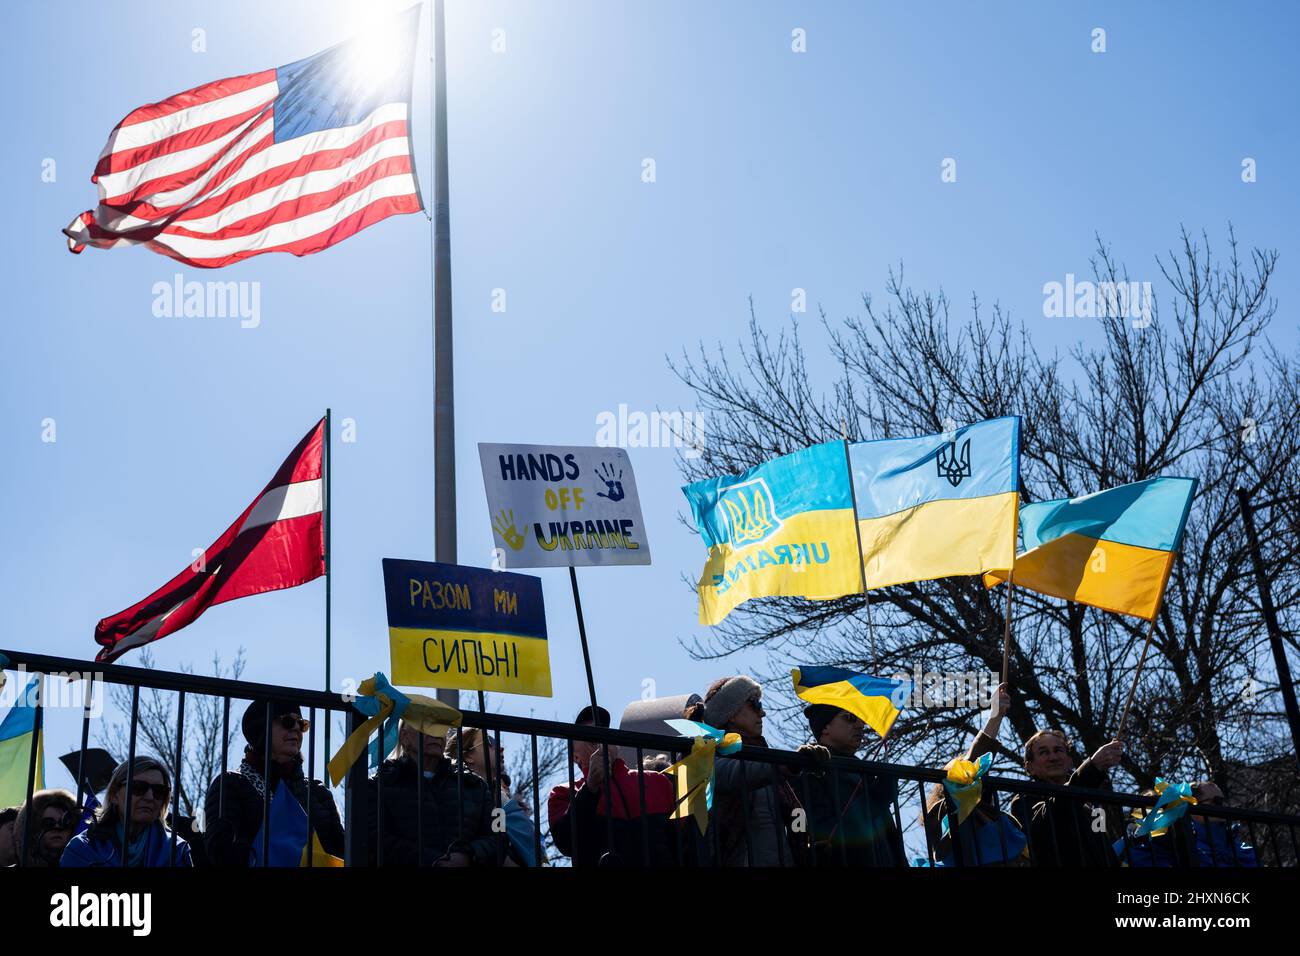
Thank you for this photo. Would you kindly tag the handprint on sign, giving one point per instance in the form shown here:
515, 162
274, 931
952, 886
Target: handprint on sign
613, 482
504, 525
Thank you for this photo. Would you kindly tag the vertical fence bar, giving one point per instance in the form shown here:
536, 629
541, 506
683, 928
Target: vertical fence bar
645, 824
419, 792
179, 790
460, 782
573, 807
311, 778
744, 811
266, 787
38, 723
379, 793
498, 764
925, 824
87, 700
808, 821
537, 805
225, 756
356, 803
130, 770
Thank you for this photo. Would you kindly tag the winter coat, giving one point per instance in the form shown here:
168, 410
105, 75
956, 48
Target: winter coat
582, 823
231, 829
851, 818
100, 845
455, 810
1061, 831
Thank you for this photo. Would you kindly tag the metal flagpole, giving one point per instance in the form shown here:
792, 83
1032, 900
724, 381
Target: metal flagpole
1136, 675
328, 578
444, 419
862, 561
582, 636
1006, 634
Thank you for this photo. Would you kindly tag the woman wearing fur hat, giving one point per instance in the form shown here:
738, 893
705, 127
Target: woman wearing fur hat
754, 802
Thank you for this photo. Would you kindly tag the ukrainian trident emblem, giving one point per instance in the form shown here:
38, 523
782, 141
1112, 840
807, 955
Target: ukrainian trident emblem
952, 464
749, 512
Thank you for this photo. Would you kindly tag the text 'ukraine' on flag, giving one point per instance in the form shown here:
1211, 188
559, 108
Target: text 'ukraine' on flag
1112, 549
782, 528
876, 700
291, 159
938, 505
17, 737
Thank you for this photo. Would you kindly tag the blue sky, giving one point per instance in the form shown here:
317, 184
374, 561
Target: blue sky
775, 170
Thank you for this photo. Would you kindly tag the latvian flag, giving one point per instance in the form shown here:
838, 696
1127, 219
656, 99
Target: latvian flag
274, 544
292, 159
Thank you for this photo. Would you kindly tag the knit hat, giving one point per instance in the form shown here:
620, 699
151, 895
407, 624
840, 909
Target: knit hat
819, 715
254, 721
734, 693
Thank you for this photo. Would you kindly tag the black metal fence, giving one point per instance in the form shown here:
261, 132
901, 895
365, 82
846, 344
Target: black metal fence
894, 815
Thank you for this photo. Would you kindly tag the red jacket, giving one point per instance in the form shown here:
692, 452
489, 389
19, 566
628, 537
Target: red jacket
580, 828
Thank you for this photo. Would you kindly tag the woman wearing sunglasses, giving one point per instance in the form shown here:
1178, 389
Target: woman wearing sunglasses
300, 808
143, 841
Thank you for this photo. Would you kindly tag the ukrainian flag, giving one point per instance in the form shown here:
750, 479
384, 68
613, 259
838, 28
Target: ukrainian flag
783, 528
877, 700
17, 731
938, 505
1113, 549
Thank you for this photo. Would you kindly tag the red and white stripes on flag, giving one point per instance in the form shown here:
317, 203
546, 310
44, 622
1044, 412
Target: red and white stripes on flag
276, 543
293, 159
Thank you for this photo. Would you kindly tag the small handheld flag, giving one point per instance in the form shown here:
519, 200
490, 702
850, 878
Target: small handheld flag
693, 774
17, 737
1173, 801
876, 700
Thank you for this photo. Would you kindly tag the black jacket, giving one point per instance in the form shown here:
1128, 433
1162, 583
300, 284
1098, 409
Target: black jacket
581, 831
456, 813
850, 817
1063, 832
229, 833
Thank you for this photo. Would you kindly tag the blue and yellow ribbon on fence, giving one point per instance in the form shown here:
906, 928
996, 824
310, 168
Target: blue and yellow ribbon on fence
693, 774
379, 700
1174, 799
965, 784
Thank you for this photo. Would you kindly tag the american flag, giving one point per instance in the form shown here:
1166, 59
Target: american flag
275, 543
292, 159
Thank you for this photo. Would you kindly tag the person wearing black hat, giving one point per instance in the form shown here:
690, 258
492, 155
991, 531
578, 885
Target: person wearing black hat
233, 809
607, 801
850, 815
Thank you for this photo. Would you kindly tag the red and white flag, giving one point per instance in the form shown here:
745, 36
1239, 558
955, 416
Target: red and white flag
276, 543
292, 159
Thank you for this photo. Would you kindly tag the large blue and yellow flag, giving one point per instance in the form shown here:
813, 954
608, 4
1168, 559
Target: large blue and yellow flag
784, 528
877, 700
17, 731
1113, 549
938, 505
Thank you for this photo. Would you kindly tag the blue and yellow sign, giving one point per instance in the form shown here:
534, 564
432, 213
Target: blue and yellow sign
466, 628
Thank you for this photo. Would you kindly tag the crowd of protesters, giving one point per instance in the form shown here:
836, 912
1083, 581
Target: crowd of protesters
446, 802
